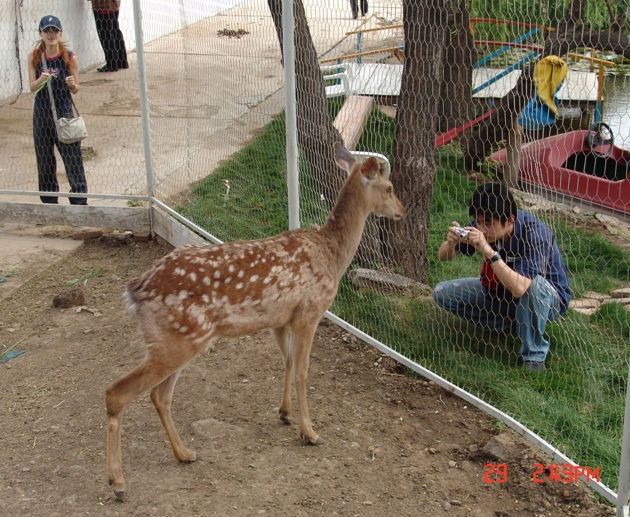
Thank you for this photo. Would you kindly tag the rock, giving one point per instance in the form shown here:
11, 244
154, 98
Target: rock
85, 234
592, 295
586, 312
385, 282
588, 303
621, 301
118, 238
621, 293
70, 298
142, 236
499, 446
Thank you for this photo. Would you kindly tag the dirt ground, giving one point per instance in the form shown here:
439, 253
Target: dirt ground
396, 445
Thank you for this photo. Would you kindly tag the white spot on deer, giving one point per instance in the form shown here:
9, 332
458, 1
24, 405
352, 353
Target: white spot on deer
206, 280
205, 298
193, 276
217, 273
183, 294
241, 273
231, 268
254, 278
180, 271
239, 285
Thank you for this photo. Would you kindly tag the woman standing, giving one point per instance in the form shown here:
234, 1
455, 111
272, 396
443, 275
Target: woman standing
63, 73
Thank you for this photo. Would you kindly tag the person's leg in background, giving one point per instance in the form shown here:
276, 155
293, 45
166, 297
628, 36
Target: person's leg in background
118, 42
44, 135
354, 7
104, 36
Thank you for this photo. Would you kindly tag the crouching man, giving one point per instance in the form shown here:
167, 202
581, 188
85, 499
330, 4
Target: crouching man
523, 282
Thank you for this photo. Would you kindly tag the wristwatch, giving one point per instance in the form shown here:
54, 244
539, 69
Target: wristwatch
495, 257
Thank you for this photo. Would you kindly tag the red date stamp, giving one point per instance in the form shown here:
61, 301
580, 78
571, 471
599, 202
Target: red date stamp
565, 473
495, 473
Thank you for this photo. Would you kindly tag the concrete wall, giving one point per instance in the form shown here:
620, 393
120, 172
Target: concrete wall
19, 23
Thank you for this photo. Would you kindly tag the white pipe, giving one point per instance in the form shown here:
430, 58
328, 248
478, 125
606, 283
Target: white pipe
288, 49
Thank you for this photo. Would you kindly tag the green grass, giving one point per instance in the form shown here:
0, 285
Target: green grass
578, 405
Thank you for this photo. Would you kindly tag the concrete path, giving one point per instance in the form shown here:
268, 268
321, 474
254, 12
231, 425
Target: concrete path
209, 95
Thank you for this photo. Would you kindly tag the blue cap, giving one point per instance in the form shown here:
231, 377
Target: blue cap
49, 21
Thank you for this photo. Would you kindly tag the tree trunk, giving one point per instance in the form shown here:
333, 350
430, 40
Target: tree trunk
513, 147
414, 162
456, 106
316, 132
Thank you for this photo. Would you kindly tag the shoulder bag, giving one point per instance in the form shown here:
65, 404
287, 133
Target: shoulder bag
69, 130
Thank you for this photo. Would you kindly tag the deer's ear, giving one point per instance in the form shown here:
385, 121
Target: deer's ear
344, 159
370, 168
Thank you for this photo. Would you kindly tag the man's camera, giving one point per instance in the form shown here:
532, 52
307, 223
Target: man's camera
462, 233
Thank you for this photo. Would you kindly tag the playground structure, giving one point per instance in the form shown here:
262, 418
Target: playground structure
580, 95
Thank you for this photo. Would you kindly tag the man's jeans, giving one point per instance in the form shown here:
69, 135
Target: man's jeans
527, 315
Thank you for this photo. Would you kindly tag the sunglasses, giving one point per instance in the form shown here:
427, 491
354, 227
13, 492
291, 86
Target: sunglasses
51, 29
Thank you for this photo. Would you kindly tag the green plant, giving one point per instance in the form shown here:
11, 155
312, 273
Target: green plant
12, 272
83, 280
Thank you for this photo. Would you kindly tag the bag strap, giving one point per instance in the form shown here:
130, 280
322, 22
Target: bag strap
50, 92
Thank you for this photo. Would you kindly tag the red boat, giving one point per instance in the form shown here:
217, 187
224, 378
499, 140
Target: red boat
583, 164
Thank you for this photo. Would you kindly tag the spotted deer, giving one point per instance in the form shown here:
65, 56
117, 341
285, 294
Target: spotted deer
283, 283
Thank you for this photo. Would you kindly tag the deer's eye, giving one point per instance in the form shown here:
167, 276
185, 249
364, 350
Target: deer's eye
388, 190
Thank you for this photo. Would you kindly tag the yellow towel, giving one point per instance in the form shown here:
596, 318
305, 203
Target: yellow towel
548, 76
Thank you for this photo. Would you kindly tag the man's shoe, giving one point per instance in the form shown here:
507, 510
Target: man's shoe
107, 68
535, 366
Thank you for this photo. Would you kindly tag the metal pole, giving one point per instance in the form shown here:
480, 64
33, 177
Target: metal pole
144, 102
623, 491
288, 45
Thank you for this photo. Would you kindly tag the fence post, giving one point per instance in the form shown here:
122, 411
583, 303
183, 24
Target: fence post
288, 46
144, 101
623, 491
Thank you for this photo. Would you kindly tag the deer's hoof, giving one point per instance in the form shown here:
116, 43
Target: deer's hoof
120, 494
284, 416
190, 457
313, 441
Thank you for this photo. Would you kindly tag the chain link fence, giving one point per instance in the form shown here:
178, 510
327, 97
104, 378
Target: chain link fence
453, 94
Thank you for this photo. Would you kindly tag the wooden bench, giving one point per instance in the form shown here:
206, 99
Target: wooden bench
351, 119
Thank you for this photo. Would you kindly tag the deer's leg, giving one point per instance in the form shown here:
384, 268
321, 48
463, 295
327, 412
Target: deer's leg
283, 336
304, 342
162, 396
150, 372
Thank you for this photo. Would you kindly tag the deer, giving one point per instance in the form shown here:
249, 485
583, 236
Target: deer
284, 283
